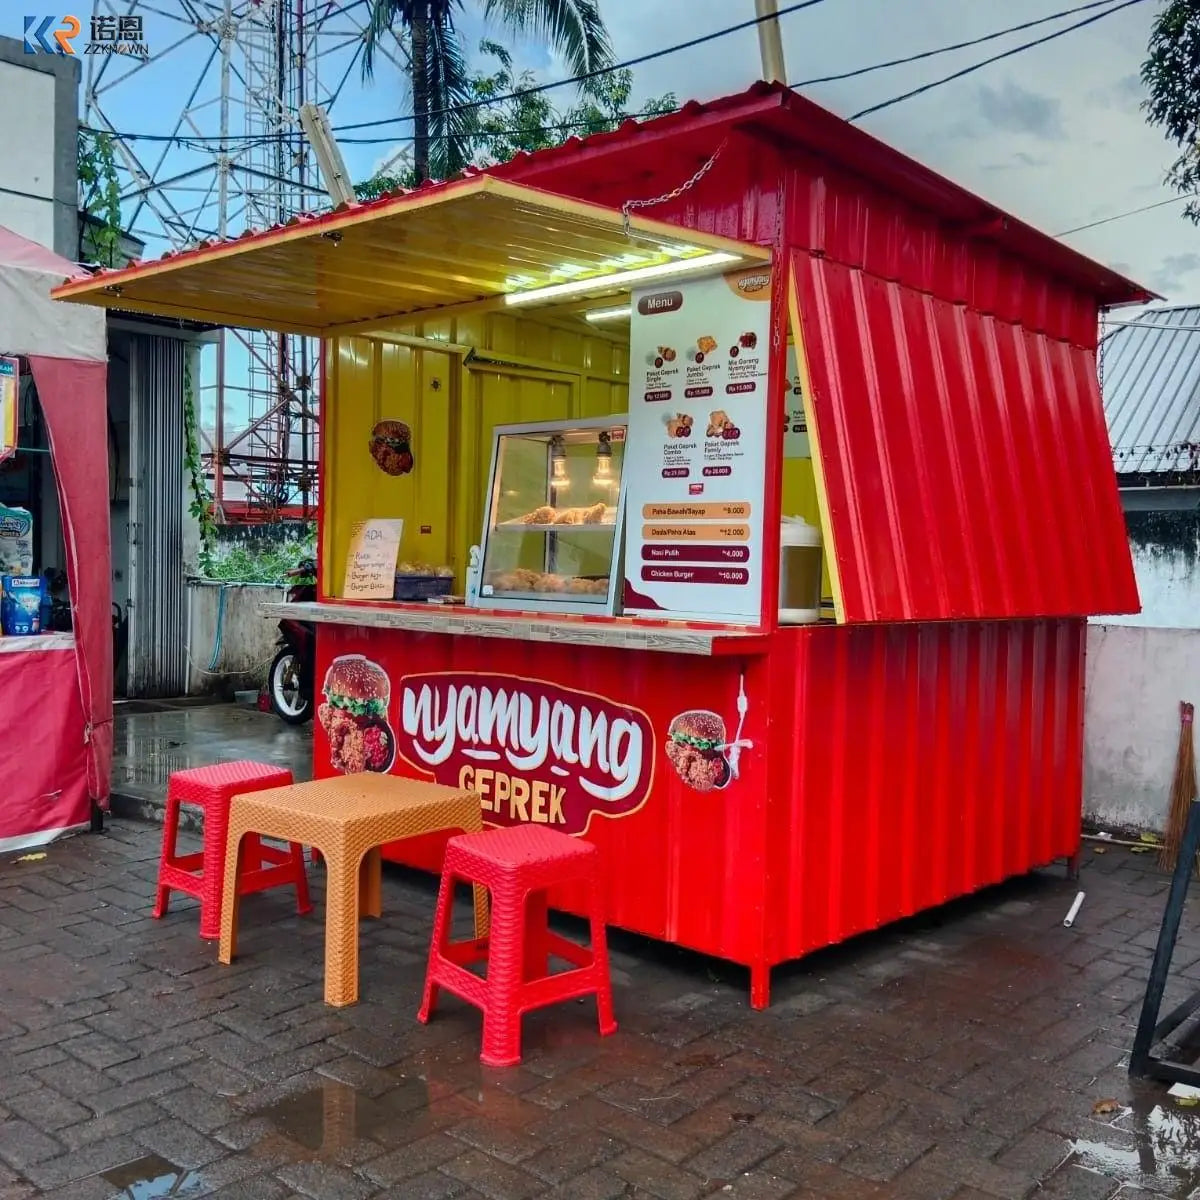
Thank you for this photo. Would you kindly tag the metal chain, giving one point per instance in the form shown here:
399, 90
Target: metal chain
628, 207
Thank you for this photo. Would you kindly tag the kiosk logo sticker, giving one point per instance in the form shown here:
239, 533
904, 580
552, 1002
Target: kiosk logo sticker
533, 751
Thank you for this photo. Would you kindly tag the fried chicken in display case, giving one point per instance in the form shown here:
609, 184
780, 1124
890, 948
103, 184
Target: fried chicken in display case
552, 530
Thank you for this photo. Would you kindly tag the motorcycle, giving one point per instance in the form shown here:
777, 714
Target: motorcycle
290, 678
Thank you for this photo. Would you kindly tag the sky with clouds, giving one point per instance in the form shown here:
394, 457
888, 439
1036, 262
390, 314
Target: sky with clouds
1054, 134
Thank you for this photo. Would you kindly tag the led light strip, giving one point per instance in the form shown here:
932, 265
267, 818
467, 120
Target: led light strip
619, 313
620, 279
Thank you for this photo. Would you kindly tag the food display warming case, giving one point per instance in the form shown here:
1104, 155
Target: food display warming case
552, 526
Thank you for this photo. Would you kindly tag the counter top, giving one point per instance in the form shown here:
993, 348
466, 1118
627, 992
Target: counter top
38, 642
618, 632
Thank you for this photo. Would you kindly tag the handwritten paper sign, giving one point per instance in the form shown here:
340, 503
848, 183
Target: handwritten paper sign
371, 563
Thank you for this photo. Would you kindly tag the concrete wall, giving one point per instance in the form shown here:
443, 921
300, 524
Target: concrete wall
38, 150
247, 642
1136, 678
1166, 558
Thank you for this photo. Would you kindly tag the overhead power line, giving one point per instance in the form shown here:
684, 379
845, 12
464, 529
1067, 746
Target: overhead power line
193, 140
534, 90
555, 127
1132, 212
928, 87
951, 47
394, 139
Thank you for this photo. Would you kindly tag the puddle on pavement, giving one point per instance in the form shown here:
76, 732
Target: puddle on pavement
330, 1118
150, 1177
151, 742
1165, 1157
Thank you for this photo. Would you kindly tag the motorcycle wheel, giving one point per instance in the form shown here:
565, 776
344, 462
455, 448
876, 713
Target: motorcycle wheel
288, 699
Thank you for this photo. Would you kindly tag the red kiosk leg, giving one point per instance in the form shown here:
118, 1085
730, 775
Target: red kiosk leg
760, 986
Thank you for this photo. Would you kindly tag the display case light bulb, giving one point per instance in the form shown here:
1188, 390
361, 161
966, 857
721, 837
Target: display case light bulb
604, 472
558, 464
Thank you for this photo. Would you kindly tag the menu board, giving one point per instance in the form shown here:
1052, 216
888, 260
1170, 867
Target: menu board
795, 427
9, 392
371, 562
695, 460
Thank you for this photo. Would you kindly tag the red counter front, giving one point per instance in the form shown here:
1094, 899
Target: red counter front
882, 770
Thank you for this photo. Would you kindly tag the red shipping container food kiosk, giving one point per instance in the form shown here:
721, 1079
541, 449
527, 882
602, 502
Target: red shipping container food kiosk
924, 741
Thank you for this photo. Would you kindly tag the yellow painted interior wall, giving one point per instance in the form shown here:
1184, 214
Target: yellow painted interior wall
560, 374
800, 490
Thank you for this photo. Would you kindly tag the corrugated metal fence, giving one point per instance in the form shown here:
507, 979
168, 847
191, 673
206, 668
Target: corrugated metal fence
157, 617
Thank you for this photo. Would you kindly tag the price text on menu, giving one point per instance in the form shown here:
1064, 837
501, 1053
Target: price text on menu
696, 456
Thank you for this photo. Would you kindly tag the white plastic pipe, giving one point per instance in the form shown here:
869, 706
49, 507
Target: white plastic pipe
1069, 919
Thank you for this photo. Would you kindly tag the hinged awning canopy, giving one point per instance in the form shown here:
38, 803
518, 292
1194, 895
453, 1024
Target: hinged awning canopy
466, 242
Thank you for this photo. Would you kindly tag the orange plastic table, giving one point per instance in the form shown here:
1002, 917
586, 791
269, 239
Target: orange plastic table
347, 819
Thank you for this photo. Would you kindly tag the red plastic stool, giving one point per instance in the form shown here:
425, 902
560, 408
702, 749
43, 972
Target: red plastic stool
517, 865
202, 874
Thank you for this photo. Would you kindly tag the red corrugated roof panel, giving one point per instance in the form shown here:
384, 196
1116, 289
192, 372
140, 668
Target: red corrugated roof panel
966, 465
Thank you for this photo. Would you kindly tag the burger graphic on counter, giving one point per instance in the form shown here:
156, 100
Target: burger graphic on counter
700, 749
354, 716
695, 746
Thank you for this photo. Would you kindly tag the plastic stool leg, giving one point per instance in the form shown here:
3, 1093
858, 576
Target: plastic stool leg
216, 829
536, 922
252, 852
441, 930
162, 893
303, 903
505, 964
604, 1003
480, 897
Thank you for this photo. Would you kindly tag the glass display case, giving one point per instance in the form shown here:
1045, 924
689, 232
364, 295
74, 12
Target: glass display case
552, 529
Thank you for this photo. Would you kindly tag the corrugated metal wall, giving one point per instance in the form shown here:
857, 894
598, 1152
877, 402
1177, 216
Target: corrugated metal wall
966, 464
922, 762
157, 617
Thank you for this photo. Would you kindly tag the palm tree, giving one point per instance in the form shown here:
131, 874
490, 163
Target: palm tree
440, 78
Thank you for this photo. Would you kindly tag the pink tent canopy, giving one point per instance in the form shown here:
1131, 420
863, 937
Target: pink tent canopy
56, 759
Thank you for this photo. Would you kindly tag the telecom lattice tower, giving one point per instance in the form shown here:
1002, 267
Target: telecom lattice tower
234, 157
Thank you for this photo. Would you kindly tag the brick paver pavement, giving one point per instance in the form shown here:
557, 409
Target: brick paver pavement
958, 1056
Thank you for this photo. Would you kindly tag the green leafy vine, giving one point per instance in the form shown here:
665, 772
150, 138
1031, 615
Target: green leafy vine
100, 195
200, 506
